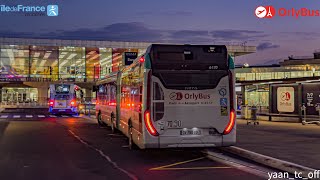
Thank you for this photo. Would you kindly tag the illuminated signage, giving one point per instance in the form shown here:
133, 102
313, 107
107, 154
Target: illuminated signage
285, 99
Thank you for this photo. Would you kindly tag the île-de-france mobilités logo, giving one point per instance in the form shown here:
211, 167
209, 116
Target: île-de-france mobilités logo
52, 10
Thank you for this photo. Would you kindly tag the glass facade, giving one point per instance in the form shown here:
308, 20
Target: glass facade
257, 93
53, 63
255, 74
19, 94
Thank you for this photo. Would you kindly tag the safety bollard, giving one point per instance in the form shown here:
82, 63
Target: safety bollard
303, 109
89, 110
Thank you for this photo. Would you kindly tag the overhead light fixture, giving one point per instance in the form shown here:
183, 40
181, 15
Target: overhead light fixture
47, 55
71, 56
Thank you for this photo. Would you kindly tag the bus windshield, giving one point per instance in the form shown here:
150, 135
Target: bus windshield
181, 67
62, 88
175, 57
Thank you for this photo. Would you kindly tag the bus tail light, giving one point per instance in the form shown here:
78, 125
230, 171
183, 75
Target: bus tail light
147, 120
112, 104
73, 103
232, 117
231, 123
51, 103
147, 115
141, 60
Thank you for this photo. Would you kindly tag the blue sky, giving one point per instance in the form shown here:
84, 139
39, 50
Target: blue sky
181, 21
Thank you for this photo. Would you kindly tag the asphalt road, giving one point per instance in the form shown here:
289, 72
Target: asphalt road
77, 148
291, 142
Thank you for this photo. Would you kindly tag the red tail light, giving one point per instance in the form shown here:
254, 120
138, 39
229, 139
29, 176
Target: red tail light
51, 103
231, 123
141, 60
73, 103
112, 103
147, 115
232, 118
149, 125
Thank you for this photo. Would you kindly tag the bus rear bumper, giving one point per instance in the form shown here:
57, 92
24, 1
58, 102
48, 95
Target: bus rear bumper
192, 142
63, 111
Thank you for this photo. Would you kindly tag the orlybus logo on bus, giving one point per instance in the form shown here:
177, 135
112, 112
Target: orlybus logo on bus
270, 12
191, 96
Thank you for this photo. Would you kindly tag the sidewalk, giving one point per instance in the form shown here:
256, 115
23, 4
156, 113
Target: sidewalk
291, 142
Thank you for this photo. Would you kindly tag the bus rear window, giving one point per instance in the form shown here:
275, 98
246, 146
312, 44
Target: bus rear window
62, 88
185, 79
196, 57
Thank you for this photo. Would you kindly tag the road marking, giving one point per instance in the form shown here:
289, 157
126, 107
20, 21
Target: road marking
41, 116
193, 168
29, 116
52, 116
65, 116
4, 116
104, 156
117, 135
16, 116
178, 163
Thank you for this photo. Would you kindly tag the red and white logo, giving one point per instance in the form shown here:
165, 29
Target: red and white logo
285, 96
265, 12
176, 96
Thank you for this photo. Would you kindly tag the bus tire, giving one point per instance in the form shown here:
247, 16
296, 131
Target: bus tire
131, 144
112, 125
101, 124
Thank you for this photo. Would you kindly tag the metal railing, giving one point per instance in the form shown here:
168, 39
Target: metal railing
250, 76
23, 105
43, 102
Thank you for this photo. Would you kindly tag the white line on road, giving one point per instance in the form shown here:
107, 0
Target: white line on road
16, 116
4, 116
29, 116
41, 116
104, 156
65, 116
52, 116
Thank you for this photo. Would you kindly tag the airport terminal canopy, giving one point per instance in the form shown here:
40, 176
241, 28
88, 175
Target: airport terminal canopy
75, 60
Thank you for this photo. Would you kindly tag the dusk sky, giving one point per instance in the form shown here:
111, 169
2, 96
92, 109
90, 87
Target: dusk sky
174, 21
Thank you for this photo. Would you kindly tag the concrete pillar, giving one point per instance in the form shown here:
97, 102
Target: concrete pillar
0, 94
43, 94
243, 92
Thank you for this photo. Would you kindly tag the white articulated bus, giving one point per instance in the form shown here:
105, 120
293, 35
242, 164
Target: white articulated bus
172, 96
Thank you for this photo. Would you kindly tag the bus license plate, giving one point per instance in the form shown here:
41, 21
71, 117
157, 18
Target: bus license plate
190, 132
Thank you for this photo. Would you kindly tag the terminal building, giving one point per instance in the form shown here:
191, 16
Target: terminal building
28, 66
283, 89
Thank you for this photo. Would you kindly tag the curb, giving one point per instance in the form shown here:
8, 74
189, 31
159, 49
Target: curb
88, 118
269, 161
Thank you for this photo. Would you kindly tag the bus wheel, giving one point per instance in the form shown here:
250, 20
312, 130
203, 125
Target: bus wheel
100, 121
112, 125
131, 144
